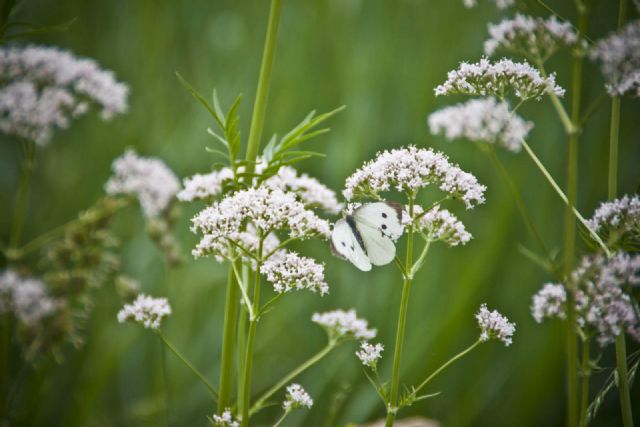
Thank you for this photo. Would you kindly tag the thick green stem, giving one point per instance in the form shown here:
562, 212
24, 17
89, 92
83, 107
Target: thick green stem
613, 146
188, 364
242, 332
623, 381
228, 341
22, 197
291, 375
446, 365
5, 355
264, 80
392, 405
585, 371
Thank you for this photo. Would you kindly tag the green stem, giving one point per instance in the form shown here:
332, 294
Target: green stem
242, 333
392, 408
228, 340
281, 419
446, 365
613, 147
165, 377
188, 364
22, 197
5, 353
291, 375
585, 374
623, 381
264, 80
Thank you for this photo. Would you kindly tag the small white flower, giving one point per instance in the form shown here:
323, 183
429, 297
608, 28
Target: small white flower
225, 420
44, 88
369, 354
440, 224
620, 217
145, 310
549, 302
485, 120
27, 298
204, 186
494, 325
498, 79
296, 398
344, 324
500, 4
532, 36
411, 169
291, 271
148, 179
311, 192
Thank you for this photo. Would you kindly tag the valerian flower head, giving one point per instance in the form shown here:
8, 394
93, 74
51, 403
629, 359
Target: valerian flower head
291, 271
264, 208
410, 169
26, 298
311, 192
224, 420
534, 37
485, 120
145, 310
44, 88
494, 325
440, 225
344, 324
618, 219
500, 4
148, 179
619, 58
549, 302
296, 398
204, 186
498, 79
369, 354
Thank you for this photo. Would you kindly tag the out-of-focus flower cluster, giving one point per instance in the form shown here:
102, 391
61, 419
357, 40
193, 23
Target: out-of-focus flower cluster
618, 221
369, 354
500, 4
341, 324
296, 398
224, 420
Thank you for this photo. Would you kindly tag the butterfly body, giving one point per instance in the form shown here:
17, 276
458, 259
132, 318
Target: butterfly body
367, 237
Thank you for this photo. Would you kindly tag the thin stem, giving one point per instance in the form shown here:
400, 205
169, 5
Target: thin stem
22, 197
228, 340
188, 364
5, 353
291, 375
242, 333
563, 197
623, 381
165, 377
446, 365
420, 260
281, 419
242, 285
585, 372
264, 80
402, 319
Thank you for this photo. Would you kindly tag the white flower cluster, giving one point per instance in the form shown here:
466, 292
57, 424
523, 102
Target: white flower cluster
409, 169
549, 302
296, 398
204, 186
619, 58
148, 179
498, 79
618, 216
369, 354
291, 271
44, 87
145, 310
486, 120
225, 420
26, 298
440, 225
265, 208
532, 36
494, 325
344, 324
500, 4
312, 193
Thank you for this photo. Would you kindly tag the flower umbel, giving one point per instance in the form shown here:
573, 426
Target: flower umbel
296, 398
549, 302
291, 271
311, 192
224, 420
369, 354
27, 298
341, 324
204, 186
441, 225
145, 310
618, 219
494, 325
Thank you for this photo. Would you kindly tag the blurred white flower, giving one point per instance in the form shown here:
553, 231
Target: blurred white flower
344, 324
296, 398
620, 216
44, 88
441, 225
26, 298
145, 310
291, 271
225, 420
498, 79
486, 120
204, 186
369, 354
549, 302
148, 179
494, 325
411, 169
500, 4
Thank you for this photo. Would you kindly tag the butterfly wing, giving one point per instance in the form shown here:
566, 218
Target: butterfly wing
344, 244
379, 225
380, 248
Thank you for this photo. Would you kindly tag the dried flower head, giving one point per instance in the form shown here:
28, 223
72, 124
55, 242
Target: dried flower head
494, 325
410, 169
369, 354
500, 4
344, 324
549, 302
499, 79
204, 186
486, 120
44, 88
265, 208
148, 179
291, 271
441, 225
619, 58
533, 37
619, 220
224, 420
145, 310
26, 298
311, 192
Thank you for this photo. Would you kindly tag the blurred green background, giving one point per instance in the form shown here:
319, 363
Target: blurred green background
382, 59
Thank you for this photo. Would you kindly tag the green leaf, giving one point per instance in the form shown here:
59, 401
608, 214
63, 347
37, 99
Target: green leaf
203, 101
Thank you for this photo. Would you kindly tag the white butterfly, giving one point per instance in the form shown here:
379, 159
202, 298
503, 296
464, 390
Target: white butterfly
367, 237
